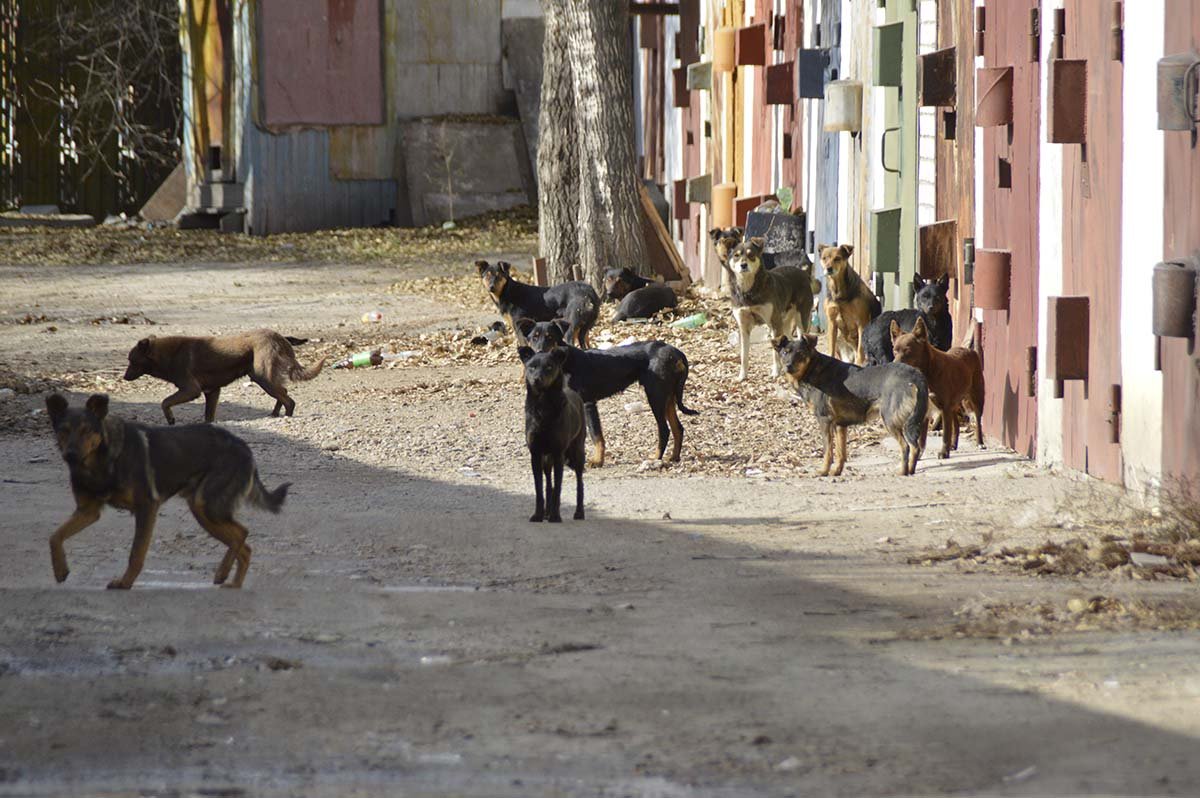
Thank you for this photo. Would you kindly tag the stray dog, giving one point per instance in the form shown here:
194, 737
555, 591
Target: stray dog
930, 305
137, 468
849, 305
725, 240
955, 380
781, 298
640, 298
841, 394
206, 365
595, 374
553, 431
576, 302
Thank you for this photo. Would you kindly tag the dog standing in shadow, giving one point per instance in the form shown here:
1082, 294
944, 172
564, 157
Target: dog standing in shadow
554, 431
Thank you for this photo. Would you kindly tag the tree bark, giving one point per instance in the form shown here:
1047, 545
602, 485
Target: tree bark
558, 151
610, 216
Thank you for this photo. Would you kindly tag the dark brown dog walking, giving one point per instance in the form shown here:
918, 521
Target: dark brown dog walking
137, 468
206, 365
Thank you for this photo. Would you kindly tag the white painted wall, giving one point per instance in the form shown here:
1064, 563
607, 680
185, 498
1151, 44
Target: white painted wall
979, 228
520, 8
1141, 240
927, 123
1050, 263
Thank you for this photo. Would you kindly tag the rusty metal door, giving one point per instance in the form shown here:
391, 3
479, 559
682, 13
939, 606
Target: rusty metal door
1010, 222
1181, 371
1092, 244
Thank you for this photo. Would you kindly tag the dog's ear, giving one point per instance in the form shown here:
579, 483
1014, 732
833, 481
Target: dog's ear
918, 330
561, 326
97, 405
524, 353
780, 342
143, 345
715, 234
821, 249
847, 250
896, 331
505, 267
758, 241
812, 340
740, 232
918, 282
628, 273
524, 326
481, 265
56, 406
943, 282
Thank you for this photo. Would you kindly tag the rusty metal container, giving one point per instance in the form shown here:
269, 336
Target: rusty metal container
1174, 310
993, 274
994, 88
1068, 339
1067, 122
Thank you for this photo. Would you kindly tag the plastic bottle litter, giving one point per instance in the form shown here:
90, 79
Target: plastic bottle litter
360, 360
372, 317
690, 322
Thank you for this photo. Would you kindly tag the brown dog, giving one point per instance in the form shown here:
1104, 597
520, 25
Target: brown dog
955, 379
849, 305
206, 365
137, 468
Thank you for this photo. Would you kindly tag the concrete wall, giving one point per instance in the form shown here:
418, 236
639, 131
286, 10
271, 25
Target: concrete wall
1141, 239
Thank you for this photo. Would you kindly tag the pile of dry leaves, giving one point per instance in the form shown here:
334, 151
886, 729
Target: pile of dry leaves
506, 231
1004, 620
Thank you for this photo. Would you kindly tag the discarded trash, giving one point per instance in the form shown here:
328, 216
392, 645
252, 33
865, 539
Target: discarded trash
791, 763
1021, 775
7, 393
637, 407
467, 471
628, 341
448, 225
372, 358
1144, 560
605, 345
488, 337
754, 472
372, 317
690, 322
651, 465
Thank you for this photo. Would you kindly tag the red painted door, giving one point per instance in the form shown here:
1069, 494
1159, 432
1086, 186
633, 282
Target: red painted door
1010, 222
1181, 371
1092, 244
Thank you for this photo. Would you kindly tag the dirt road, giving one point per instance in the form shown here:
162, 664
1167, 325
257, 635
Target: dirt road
733, 626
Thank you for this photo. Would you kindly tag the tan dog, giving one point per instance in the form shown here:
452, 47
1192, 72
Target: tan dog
849, 305
955, 379
206, 365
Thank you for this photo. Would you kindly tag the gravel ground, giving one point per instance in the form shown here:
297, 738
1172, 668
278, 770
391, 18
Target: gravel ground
731, 625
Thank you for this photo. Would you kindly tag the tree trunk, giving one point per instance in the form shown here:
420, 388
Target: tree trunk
558, 151
609, 223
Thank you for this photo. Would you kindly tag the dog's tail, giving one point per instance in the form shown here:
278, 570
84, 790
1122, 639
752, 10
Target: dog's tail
271, 500
300, 373
295, 341
683, 365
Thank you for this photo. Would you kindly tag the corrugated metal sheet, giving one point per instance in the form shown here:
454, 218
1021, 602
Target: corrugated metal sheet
289, 182
321, 62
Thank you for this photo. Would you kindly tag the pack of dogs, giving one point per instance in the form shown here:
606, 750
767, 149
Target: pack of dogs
899, 367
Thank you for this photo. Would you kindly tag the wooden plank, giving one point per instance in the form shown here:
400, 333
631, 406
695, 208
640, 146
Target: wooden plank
660, 247
938, 245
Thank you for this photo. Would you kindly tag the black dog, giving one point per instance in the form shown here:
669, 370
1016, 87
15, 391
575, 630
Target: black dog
640, 298
931, 305
595, 374
575, 302
553, 431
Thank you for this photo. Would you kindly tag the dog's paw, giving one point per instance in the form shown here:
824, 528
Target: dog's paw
536, 518
230, 586
119, 584
555, 519
943, 455
61, 576
595, 462
579, 514
741, 377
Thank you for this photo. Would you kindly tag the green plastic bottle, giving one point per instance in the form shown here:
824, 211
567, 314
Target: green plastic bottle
690, 322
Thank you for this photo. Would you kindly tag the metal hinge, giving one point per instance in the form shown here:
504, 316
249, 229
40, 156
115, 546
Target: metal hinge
980, 28
1114, 414
1035, 35
1117, 51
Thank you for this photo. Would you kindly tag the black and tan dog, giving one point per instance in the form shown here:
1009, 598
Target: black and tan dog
553, 431
781, 298
929, 304
725, 240
576, 302
843, 394
640, 298
137, 468
849, 305
206, 365
595, 374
